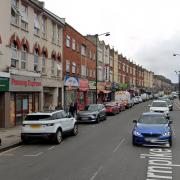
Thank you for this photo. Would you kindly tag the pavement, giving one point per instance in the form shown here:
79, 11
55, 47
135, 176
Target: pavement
10, 137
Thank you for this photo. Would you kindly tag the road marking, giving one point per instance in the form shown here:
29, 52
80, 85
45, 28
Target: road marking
117, 147
10, 150
96, 173
6, 154
51, 148
33, 155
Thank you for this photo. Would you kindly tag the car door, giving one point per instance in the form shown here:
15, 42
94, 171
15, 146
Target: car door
68, 120
62, 120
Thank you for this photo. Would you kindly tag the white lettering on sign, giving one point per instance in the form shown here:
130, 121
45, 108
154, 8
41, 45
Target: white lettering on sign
159, 164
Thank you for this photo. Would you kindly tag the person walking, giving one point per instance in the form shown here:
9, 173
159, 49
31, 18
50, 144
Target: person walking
71, 109
59, 106
75, 108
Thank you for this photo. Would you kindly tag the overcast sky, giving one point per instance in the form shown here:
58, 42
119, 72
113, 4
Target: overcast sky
145, 31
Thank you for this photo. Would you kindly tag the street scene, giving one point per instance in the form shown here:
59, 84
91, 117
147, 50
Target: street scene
89, 91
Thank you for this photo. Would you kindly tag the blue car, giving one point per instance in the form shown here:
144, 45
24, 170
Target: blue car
152, 129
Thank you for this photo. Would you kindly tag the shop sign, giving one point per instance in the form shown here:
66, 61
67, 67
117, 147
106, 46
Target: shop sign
24, 83
83, 85
92, 85
4, 84
101, 85
71, 81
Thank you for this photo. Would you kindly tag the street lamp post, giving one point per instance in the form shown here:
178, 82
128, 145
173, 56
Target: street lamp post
178, 73
96, 36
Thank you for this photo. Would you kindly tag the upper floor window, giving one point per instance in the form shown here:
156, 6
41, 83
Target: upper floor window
83, 70
14, 12
68, 41
59, 36
36, 24
24, 17
73, 44
73, 67
43, 62
14, 55
53, 64
53, 32
67, 66
44, 27
24, 57
36, 60
83, 50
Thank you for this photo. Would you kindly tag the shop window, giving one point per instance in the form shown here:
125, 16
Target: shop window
14, 55
24, 57
24, 17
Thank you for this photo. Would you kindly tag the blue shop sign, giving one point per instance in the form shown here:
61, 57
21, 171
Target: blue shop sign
71, 81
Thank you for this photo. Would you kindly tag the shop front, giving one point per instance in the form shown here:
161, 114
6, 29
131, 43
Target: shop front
24, 97
71, 85
83, 100
110, 94
4, 88
92, 92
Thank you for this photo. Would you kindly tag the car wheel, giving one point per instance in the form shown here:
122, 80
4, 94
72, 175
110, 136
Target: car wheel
170, 142
97, 119
75, 130
58, 137
133, 142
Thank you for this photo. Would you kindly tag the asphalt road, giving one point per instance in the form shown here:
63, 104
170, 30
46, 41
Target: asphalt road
100, 152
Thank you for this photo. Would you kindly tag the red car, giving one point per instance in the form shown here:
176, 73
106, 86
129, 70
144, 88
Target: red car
121, 106
112, 108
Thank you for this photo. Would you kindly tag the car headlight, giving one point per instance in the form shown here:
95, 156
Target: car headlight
94, 115
166, 134
136, 133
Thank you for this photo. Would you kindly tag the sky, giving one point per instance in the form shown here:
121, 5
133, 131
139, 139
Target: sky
147, 32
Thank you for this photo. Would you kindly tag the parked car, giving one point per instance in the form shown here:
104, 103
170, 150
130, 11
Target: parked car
51, 125
169, 102
160, 106
130, 103
120, 105
139, 98
152, 128
112, 108
135, 100
92, 113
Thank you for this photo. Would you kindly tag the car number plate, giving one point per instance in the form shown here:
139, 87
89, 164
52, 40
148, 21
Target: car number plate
35, 126
85, 118
151, 139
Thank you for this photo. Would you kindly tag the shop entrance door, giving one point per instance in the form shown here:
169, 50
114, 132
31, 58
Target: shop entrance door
21, 107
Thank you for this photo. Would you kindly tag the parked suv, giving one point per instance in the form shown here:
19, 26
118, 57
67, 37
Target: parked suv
51, 125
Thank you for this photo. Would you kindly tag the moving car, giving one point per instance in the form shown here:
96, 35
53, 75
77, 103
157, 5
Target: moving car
112, 108
152, 128
92, 113
51, 125
160, 106
169, 102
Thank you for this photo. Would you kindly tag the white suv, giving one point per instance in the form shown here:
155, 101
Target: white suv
51, 125
160, 106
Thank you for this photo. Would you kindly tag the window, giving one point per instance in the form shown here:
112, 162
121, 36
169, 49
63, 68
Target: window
67, 66
73, 44
90, 54
83, 50
52, 65
83, 70
90, 73
58, 36
53, 33
68, 41
77, 47
24, 17
94, 73
73, 67
36, 59
24, 57
59, 69
43, 62
100, 74
14, 12
36, 24
44, 27
14, 55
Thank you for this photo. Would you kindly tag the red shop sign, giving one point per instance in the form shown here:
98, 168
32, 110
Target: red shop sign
83, 85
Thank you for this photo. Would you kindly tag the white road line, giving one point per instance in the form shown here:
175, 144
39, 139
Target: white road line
117, 147
10, 150
33, 155
51, 148
96, 173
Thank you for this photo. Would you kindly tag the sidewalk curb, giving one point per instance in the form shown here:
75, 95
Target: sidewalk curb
10, 146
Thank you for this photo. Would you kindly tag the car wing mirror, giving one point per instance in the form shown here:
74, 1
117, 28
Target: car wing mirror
134, 121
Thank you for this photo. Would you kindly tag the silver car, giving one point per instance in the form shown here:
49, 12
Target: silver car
92, 113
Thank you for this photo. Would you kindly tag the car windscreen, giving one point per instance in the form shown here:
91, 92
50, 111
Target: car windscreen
153, 119
37, 117
159, 104
91, 108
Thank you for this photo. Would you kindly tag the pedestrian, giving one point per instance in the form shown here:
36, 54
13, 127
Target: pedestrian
59, 106
51, 107
71, 109
75, 108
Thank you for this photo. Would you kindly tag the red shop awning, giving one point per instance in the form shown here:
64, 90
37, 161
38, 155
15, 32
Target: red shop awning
83, 85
